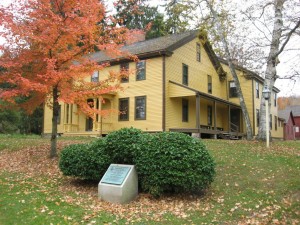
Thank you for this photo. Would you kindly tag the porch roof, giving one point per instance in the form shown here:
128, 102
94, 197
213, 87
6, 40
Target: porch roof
180, 90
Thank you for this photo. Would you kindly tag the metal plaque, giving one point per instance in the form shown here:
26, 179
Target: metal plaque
115, 174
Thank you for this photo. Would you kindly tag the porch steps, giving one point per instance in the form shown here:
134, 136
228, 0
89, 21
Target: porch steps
228, 136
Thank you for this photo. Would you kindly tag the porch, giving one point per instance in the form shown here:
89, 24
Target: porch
204, 115
207, 132
78, 124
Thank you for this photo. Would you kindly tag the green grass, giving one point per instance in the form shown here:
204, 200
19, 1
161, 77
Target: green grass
253, 185
26, 201
14, 142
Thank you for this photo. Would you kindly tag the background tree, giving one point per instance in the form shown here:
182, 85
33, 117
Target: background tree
283, 102
45, 55
279, 26
219, 21
136, 14
257, 33
178, 15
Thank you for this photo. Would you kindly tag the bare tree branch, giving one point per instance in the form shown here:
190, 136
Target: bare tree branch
292, 31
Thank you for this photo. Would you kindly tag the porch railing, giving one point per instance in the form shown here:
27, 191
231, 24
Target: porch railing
234, 128
103, 127
70, 127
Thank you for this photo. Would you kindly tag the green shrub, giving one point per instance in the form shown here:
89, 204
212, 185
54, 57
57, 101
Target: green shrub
87, 161
123, 144
174, 162
165, 162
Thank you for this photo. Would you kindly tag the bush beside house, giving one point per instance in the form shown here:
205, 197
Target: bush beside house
166, 162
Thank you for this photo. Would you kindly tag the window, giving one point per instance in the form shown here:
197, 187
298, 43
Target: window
124, 109
209, 84
141, 70
270, 120
275, 99
185, 74
257, 89
275, 120
198, 52
209, 115
124, 67
59, 114
185, 110
257, 117
140, 108
95, 77
232, 90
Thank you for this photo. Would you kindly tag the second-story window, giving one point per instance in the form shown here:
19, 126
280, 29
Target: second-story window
257, 89
232, 90
124, 67
198, 52
95, 77
209, 84
141, 70
185, 74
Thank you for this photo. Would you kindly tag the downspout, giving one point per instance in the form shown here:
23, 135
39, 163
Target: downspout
253, 108
164, 93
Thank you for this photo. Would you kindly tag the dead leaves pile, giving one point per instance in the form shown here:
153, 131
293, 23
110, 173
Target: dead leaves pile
34, 162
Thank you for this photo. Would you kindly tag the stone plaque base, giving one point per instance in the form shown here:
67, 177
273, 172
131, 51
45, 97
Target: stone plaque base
119, 184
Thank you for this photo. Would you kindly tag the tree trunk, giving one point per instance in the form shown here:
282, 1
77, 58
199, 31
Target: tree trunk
233, 72
270, 74
53, 151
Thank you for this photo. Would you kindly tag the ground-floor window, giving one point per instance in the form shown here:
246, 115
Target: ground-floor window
124, 109
185, 110
209, 115
257, 117
140, 108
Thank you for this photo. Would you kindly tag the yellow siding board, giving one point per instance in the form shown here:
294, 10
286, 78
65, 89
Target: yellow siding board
198, 72
152, 89
177, 91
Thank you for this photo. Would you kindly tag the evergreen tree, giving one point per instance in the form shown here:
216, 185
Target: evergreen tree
136, 14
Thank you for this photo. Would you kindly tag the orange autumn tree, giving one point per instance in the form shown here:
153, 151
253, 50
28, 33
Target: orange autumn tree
45, 55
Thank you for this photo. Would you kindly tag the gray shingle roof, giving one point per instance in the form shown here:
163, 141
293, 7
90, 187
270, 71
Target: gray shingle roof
285, 113
161, 45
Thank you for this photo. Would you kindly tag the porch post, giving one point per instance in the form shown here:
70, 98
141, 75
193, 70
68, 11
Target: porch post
65, 118
198, 113
71, 114
100, 117
215, 119
94, 116
68, 119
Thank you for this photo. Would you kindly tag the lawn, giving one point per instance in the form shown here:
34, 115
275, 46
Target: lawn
254, 185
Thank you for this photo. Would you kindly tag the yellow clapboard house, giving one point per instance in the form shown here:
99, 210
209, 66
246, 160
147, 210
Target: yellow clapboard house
178, 85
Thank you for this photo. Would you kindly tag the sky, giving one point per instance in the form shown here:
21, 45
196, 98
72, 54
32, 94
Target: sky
287, 60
